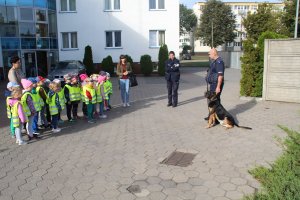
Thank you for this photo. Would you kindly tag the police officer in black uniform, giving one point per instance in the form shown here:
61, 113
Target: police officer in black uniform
172, 75
215, 74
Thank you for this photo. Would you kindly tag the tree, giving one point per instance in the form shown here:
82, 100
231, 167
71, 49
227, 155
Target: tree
108, 65
162, 57
146, 65
265, 19
88, 60
188, 19
217, 24
288, 17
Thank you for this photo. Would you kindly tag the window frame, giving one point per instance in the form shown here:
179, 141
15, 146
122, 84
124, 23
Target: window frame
112, 9
157, 38
113, 39
68, 7
156, 6
69, 41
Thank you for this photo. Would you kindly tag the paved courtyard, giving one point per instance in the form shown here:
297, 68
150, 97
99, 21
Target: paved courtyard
101, 160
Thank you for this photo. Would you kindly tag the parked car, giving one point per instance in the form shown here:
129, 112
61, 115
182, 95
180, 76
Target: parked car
66, 67
186, 56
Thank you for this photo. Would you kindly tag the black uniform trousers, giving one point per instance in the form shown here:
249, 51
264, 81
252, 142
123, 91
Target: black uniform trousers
172, 92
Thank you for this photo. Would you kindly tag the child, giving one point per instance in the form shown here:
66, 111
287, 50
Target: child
100, 95
82, 78
90, 98
28, 106
72, 95
108, 91
8, 91
48, 115
43, 95
62, 99
37, 101
54, 105
18, 115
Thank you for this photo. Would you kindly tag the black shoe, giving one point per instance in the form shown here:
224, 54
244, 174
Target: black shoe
206, 118
169, 104
36, 136
174, 105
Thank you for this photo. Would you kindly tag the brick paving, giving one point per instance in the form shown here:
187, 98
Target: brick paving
102, 160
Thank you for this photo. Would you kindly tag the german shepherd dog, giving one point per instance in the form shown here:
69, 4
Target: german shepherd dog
219, 113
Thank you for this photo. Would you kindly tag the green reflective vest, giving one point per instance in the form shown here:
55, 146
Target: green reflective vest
62, 99
15, 114
93, 94
74, 93
8, 108
38, 91
52, 106
37, 102
99, 98
24, 103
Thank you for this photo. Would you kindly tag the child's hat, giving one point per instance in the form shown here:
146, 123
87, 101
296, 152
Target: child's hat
102, 73
83, 77
56, 81
107, 74
32, 80
12, 84
67, 77
101, 78
40, 78
26, 83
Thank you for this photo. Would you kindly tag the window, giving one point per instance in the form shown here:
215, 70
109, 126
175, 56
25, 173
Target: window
113, 39
26, 3
69, 40
10, 43
27, 29
156, 38
111, 5
26, 14
41, 15
67, 5
156, 4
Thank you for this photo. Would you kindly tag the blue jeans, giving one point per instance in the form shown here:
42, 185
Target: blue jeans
101, 108
54, 121
124, 87
35, 122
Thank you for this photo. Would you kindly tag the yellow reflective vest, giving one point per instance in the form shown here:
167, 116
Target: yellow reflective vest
42, 103
62, 99
74, 93
24, 103
15, 114
52, 106
93, 94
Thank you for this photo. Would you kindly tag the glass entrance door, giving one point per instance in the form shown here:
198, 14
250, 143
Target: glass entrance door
30, 64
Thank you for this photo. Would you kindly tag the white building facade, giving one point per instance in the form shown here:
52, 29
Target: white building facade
115, 27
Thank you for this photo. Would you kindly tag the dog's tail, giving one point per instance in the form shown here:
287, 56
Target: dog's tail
244, 127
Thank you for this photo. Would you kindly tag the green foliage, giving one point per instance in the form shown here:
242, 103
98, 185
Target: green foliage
282, 179
265, 19
288, 18
107, 65
253, 65
162, 57
129, 59
217, 18
146, 65
188, 19
88, 60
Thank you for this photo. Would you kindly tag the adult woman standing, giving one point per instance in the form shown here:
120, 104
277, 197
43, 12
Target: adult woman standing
123, 71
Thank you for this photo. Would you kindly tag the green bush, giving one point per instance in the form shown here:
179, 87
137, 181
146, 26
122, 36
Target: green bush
253, 64
129, 59
146, 65
282, 179
88, 60
163, 55
108, 64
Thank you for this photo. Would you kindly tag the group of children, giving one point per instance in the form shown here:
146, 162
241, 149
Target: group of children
38, 103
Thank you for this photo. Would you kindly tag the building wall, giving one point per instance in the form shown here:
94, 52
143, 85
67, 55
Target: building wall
134, 20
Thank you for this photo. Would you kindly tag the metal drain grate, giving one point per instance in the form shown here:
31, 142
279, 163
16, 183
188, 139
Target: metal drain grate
180, 159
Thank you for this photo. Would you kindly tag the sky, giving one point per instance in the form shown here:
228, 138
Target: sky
188, 3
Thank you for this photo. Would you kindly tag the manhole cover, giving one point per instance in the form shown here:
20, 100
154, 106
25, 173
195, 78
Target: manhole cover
180, 159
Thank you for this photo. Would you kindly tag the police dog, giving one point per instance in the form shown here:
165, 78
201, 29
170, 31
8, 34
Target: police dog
219, 113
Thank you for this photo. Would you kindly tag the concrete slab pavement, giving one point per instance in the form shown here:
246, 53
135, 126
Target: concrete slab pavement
101, 160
